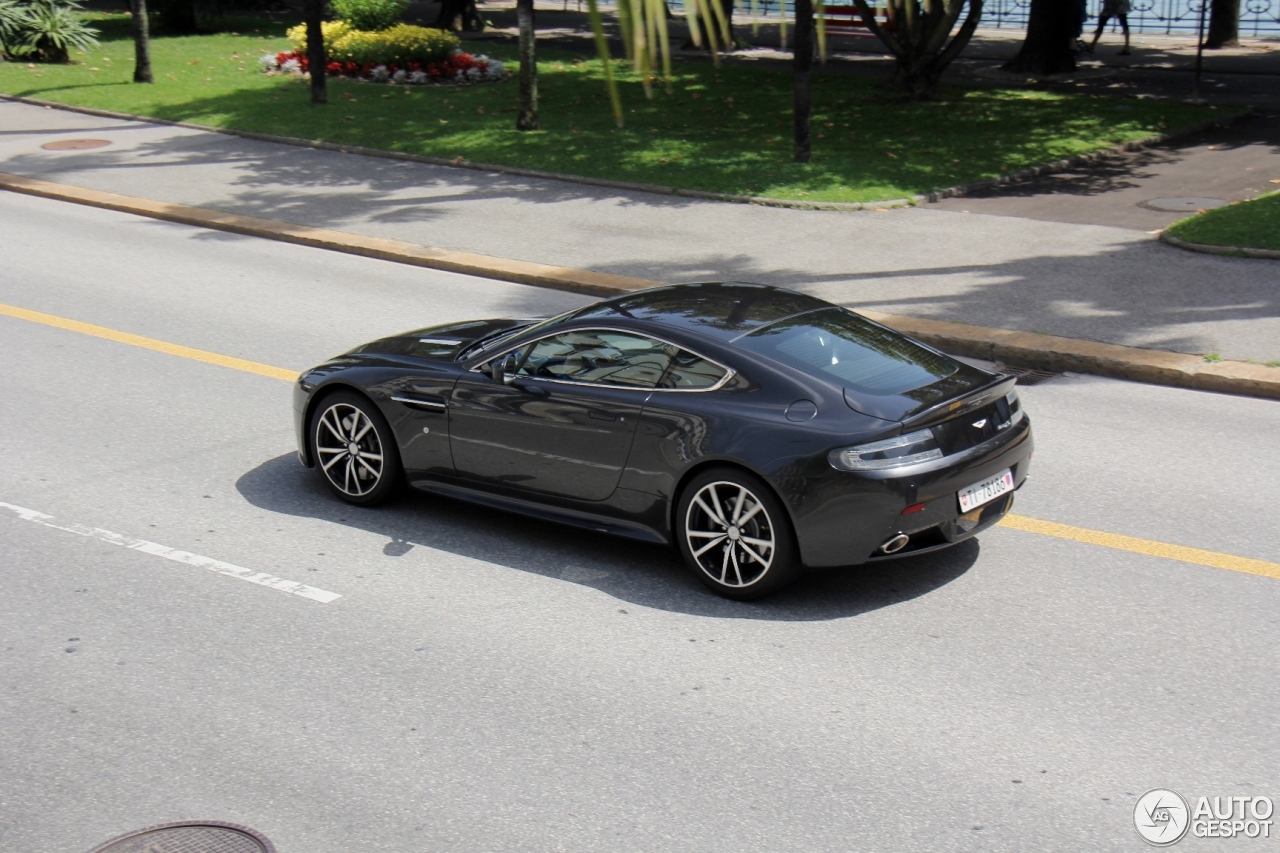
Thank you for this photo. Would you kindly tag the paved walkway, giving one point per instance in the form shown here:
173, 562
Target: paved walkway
1068, 256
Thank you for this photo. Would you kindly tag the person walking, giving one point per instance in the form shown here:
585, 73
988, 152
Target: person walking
1118, 9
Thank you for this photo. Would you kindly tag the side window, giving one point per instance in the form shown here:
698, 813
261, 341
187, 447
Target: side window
600, 357
689, 372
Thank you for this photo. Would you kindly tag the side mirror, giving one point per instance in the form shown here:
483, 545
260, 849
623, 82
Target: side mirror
504, 369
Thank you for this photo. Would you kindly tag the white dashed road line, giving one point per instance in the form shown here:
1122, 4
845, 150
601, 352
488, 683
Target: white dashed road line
184, 557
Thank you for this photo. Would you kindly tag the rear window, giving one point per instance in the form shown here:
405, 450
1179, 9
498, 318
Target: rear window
837, 344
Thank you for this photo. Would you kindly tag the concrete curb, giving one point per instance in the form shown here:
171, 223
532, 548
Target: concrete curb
1046, 352
1234, 251
460, 163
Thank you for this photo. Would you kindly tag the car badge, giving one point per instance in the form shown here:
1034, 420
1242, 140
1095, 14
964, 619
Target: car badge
980, 424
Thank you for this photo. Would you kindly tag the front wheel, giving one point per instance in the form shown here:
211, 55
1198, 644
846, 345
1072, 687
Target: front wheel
735, 535
354, 448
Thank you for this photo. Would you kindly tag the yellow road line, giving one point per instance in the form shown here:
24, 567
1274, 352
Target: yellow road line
1144, 546
149, 343
1018, 522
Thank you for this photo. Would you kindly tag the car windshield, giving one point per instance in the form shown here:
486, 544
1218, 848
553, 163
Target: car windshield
498, 337
864, 357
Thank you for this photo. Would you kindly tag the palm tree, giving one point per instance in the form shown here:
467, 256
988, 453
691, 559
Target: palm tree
141, 43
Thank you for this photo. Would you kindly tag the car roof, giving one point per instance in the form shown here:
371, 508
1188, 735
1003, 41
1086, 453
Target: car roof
720, 310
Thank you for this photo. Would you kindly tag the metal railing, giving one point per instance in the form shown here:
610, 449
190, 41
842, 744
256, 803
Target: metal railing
1167, 17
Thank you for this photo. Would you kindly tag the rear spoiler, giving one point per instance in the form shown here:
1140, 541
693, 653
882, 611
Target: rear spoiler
949, 409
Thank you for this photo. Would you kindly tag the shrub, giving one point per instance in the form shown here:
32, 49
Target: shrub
399, 45
11, 18
369, 15
44, 30
331, 30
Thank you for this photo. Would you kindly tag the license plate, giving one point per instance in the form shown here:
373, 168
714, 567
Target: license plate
986, 491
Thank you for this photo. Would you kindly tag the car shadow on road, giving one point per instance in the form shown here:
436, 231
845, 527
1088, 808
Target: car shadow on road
639, 573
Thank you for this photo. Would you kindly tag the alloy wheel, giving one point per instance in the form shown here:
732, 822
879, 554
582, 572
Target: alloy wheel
730, 534
349, 449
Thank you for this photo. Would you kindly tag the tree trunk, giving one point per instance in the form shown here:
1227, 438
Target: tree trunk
1224, 24
1048, 48
313, 12
141, 43
527, 113
459, 15
802, 79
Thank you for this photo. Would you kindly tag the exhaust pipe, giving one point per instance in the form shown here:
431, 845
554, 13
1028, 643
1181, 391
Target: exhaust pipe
895, 543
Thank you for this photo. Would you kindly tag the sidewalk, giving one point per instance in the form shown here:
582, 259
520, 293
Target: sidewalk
1043, 272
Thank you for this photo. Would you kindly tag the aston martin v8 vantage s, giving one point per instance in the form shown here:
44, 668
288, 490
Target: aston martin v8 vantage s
757, 429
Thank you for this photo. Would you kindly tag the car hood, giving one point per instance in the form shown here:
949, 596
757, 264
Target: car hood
442, 343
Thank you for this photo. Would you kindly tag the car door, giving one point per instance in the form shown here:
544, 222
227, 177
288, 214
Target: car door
562, 422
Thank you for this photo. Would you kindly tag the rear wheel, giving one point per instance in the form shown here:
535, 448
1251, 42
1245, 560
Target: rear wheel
354, 448
735, 535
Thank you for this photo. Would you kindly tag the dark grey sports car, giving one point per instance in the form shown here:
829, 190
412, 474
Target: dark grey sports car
757, 429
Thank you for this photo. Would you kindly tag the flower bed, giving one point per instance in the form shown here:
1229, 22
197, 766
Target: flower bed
458, 68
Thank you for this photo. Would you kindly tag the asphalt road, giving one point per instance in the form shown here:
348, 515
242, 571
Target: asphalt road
486, 682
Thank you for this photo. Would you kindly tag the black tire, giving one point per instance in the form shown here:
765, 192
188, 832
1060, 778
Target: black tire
738, 560
365, 471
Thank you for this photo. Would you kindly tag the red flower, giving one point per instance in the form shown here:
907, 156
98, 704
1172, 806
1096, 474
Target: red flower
334, 68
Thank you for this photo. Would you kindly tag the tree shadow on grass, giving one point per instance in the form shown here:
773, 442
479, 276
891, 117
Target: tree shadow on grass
1129, 170
642, 574
865, 142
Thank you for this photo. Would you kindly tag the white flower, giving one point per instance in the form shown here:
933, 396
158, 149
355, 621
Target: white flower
379, 74
495, 71
292, 66
460, 76
267, 61
399, 76
474, 73
418, 77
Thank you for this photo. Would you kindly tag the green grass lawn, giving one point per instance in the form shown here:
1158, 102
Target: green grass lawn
1247, 225
725, 129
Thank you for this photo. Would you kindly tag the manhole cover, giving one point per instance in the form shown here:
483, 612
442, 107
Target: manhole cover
1025, 375
193, 837
1184, 204
74, 144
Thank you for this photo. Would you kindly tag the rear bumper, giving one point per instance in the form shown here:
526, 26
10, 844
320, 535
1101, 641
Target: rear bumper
842, 518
